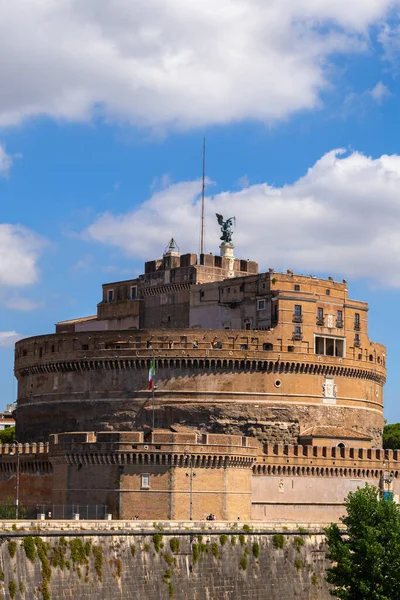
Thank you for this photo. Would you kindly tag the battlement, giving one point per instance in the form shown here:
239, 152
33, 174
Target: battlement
151, 446
24, 449
285, 459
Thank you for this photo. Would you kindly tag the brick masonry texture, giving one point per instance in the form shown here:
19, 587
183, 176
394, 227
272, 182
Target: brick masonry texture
295, 571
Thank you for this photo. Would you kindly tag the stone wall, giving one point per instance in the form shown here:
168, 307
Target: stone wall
219, 561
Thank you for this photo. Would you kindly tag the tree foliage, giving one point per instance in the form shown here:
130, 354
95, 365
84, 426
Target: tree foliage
391, 436
366, 554
7, 510
7, 436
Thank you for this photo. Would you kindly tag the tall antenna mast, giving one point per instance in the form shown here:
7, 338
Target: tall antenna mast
202, 198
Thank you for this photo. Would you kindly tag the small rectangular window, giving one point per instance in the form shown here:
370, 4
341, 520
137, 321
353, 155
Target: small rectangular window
297, 329
145, 481
296, 287
356, 321
320, 313
85, 347
356, 339
134, 292
260, 304
297, 310
339, 315
110, 295
328, 292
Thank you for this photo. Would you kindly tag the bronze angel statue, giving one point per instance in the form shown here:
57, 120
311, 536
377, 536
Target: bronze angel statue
226, 228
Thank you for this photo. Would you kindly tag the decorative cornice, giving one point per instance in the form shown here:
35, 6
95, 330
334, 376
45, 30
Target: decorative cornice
203, 363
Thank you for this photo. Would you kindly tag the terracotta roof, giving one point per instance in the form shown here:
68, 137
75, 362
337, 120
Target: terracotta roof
330, 431
178, 428
79, 320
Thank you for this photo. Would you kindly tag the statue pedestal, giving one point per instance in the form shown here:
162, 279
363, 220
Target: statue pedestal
226, 251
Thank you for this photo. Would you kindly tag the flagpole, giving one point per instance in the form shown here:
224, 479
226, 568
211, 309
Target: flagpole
152, 389
153, 406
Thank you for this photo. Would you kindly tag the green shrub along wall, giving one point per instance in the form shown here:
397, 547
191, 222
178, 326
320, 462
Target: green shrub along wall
229, 565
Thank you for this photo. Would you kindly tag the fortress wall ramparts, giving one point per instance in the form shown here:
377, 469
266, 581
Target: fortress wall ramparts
24, 449
286, 459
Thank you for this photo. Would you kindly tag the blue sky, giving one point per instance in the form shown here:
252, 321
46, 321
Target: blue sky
102, 115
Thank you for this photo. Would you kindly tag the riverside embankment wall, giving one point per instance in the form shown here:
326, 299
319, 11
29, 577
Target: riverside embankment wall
135, 560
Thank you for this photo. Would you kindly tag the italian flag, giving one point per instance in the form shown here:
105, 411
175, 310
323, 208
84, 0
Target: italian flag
152, 372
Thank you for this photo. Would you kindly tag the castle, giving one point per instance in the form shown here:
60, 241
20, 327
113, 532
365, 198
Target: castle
267, 398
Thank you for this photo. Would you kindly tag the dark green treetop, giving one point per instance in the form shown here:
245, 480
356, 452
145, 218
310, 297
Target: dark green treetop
366, 554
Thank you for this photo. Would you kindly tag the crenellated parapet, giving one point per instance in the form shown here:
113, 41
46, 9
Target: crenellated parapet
24, 449
158, 448
300, 461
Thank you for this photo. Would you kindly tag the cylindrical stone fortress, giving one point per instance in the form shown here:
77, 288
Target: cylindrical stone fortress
223, 381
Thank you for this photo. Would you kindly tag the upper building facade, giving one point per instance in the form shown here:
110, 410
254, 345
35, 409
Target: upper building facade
282, 357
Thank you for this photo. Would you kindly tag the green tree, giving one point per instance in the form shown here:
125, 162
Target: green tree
366, 554
7, 510
7, 436
391, 436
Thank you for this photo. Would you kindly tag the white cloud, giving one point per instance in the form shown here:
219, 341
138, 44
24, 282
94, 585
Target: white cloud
9, 338
20, 250
174, 63
16, 302
83, 263
342, 217
379, 92
6, 162
389, 37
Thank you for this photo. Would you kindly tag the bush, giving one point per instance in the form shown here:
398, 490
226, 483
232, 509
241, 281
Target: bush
168, 559
133, 550
314, 580
29, 547
233, 540
215, 549
256, 550
243, 562
246, 528
195, 553
12, 588
298, 543
171, 591
278, 540
12, 548
175, 545
98, 561
157, 539
298, 564
242, 539
78, 551
88, 548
